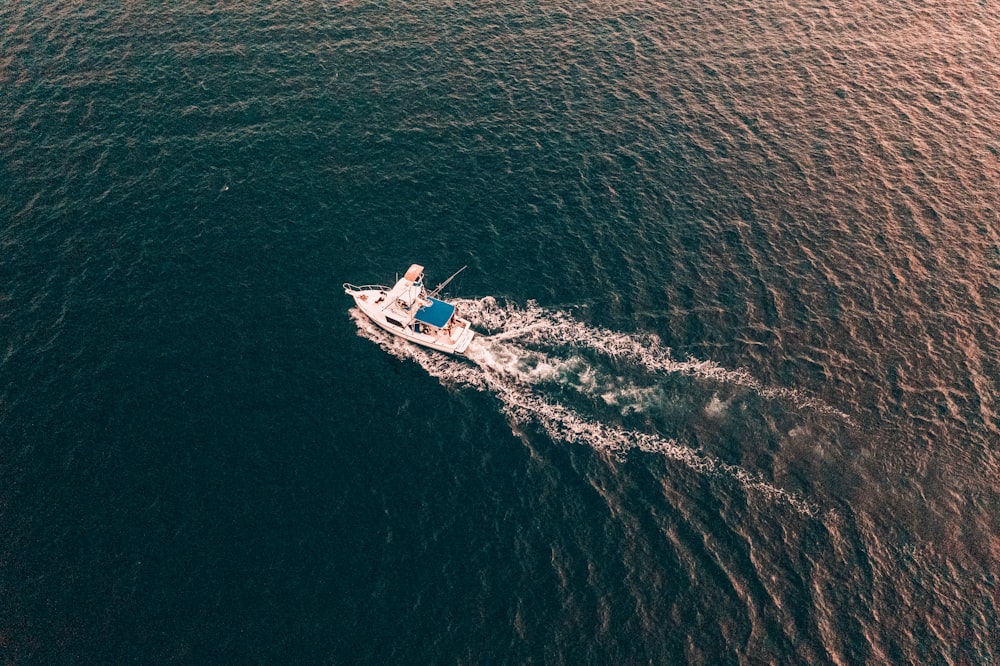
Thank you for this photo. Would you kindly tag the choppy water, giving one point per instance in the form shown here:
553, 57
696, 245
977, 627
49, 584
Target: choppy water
737, 272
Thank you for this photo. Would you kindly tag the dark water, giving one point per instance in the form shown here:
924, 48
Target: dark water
736, 397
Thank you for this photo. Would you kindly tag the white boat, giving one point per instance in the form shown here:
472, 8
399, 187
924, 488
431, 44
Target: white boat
408, 311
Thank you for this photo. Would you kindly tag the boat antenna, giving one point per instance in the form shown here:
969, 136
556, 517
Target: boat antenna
445, 283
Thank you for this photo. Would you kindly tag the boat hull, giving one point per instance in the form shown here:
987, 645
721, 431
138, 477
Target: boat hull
454, 339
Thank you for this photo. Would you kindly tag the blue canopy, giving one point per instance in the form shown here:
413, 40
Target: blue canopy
436, 314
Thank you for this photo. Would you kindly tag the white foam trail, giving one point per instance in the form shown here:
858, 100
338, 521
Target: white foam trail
538, 326
562, 423
501, 375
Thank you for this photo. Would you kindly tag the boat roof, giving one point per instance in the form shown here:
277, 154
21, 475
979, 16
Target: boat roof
436, 314
413, 272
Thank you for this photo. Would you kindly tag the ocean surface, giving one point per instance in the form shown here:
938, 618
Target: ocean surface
736, 271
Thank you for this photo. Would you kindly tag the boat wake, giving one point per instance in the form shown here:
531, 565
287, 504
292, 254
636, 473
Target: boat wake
535, 325
587, 385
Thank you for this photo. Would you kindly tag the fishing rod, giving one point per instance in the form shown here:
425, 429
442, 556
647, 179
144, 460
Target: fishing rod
445, 283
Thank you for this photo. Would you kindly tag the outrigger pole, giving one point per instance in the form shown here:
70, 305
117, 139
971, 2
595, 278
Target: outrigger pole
445, 283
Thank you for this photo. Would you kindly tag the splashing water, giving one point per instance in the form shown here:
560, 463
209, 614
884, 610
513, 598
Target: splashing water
536, 325
519, 365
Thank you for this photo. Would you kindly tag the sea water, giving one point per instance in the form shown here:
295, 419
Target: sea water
735, 269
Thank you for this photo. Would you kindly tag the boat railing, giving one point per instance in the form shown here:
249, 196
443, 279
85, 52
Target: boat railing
365, 287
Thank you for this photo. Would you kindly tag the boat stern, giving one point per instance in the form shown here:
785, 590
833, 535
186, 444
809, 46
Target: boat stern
464, 339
